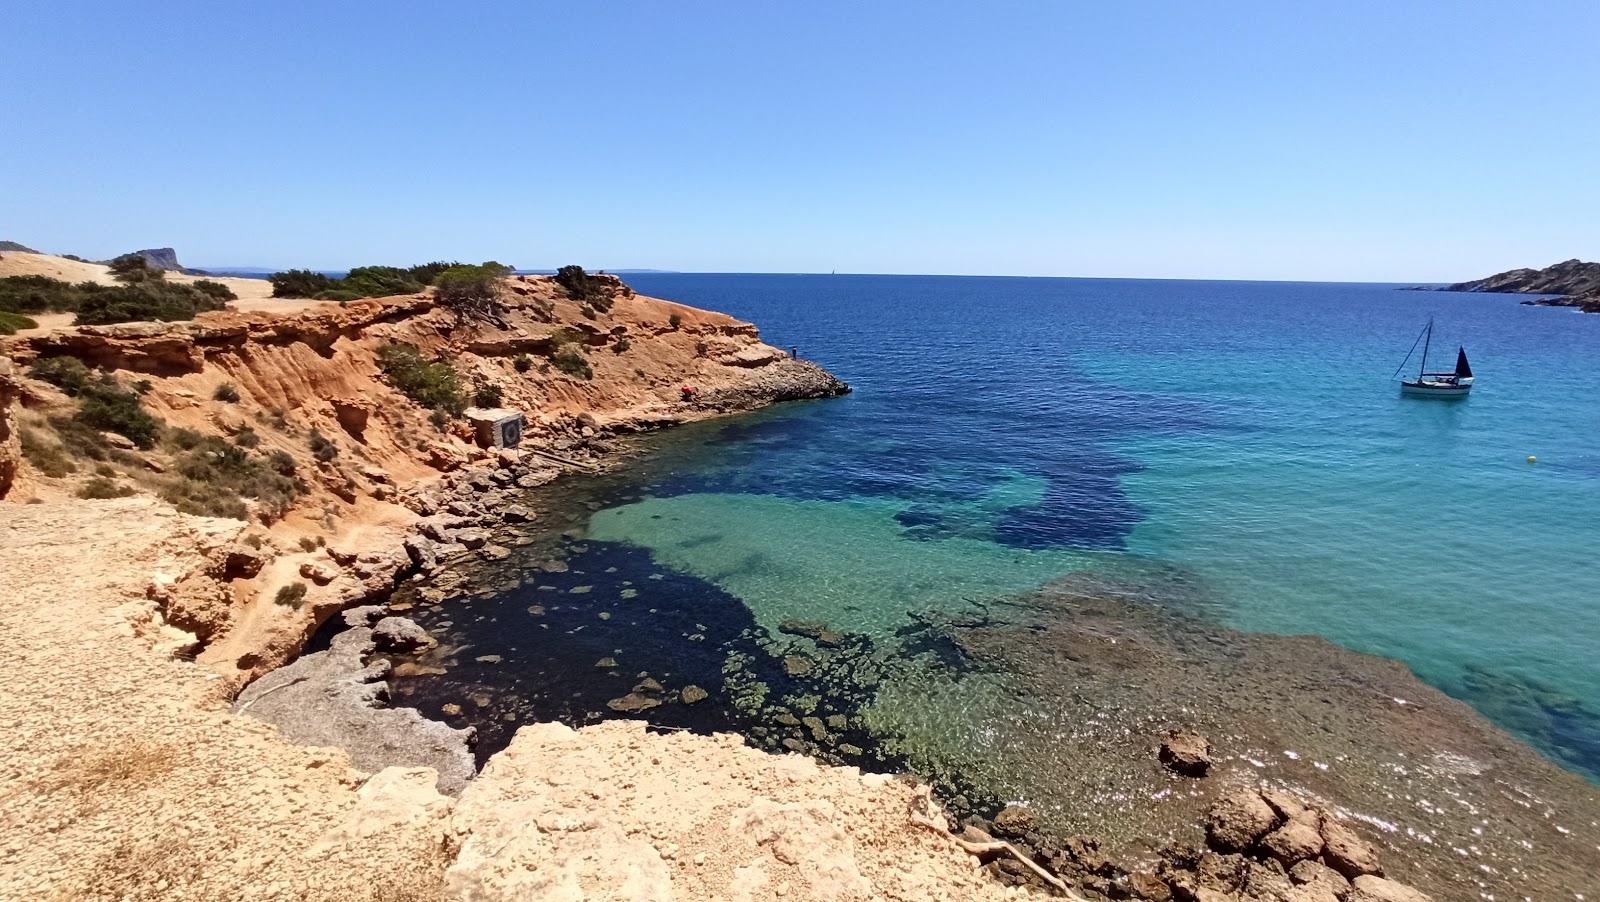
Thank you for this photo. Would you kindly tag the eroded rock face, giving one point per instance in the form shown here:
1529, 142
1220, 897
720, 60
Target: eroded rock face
10, 442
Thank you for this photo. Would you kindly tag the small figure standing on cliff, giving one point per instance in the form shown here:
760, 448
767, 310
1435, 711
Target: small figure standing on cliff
794, 352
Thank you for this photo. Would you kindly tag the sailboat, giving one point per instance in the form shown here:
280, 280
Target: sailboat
1454, 384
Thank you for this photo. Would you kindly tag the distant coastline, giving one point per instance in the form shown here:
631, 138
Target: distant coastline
1571, 283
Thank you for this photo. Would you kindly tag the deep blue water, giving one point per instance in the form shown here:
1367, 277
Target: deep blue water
1005, 431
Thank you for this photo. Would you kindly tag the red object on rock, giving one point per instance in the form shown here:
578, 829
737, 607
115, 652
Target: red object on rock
688, 393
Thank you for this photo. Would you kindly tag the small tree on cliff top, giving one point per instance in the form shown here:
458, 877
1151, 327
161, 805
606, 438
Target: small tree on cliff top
472, 292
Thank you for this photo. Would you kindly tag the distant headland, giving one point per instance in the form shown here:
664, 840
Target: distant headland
1574, 282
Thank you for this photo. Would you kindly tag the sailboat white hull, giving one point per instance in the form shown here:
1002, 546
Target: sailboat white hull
1430, 389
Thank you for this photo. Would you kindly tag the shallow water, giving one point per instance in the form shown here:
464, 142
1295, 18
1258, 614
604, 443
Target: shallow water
1243, 436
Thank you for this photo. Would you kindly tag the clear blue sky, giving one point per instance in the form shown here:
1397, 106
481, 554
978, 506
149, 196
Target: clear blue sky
1354, 140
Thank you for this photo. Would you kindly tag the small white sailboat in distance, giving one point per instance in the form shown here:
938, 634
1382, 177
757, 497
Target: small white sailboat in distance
1435, 385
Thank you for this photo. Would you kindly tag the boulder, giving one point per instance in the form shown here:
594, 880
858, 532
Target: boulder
1346, 852
1014, 820
1371, 888
1186, 752
693, 694
1295, 841
318, 572
1238, 821
399, 634
817, 632
516, 513
472, 538
633, 703
1314, 875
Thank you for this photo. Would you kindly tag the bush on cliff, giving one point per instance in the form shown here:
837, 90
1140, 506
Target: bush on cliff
212, 477
299, 283
152, 301
107, 406
472, 292
12, 323
379, 281
215, 290
582, 287
37, 294
569, 359
135, 268
435, 385
361, 282
69, 374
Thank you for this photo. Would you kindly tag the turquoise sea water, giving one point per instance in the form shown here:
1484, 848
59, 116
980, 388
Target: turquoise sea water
1005, 432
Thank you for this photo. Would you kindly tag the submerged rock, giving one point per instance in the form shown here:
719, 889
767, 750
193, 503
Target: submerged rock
633, 703
1186, 752
400, 634
693, 694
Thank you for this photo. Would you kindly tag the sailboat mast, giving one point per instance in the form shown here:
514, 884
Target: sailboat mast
1424, 368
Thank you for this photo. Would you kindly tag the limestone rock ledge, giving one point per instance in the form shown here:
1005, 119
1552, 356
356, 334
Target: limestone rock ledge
614, 812
334, 698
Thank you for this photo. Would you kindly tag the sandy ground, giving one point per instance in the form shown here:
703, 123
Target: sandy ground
123, 775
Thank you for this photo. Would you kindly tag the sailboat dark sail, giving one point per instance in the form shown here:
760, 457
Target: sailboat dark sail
1454, 384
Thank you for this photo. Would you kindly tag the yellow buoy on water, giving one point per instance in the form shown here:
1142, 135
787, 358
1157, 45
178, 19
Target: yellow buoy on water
1532, 459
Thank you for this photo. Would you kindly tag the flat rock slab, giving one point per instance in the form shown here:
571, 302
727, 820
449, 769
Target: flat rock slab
334, 698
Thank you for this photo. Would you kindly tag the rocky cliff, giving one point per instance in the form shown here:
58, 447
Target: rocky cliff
1577, 283
305, 389
10, 441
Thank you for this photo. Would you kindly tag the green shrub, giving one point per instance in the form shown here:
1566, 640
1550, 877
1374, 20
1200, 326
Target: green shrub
282, 463
471, 292
107, 406
487, 394
380, 281
299, 283
522, 363
134, 268
12, 323
69, 374
308, 544
435, 385
439, 418
150, 301
101, 487
569, 359
322, 447
212, 477
215, 290
46, 456
247, 438
581, 286
428, 273
37, 294
226, 393
292, 596
675, 321
79, 439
